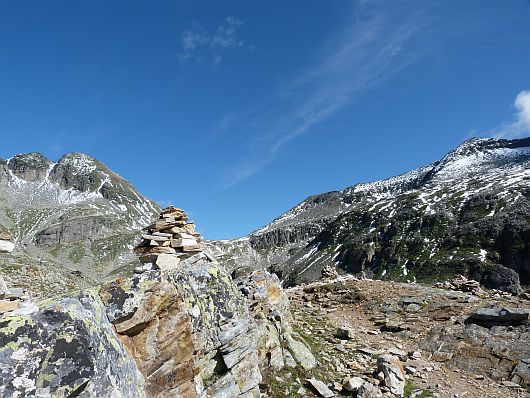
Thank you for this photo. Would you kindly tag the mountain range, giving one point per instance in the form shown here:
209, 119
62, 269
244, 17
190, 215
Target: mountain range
467, 213
75, 222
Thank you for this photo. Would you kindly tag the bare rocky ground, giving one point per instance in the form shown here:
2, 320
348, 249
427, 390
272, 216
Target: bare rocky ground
350, 323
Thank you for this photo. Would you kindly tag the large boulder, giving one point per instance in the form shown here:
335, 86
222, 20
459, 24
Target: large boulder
65, 348
502, 278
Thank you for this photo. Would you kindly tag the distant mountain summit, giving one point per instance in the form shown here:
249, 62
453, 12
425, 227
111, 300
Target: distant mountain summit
72, 221
468, 213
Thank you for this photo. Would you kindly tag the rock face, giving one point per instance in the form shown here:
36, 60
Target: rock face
184, 331
73, 221
468, 213
279, 345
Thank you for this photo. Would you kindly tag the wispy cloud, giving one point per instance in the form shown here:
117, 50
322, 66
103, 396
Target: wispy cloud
225, 123
369, 52
521, 124
198, 44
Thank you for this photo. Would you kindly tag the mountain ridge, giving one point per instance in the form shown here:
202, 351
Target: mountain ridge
73, 221
479, 166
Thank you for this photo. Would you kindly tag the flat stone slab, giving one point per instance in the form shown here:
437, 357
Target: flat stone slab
321, 389
6, 306
156, 238
183, 242
167, 235
500, 315
167, 262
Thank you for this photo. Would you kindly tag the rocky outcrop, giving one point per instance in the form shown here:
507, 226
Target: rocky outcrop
490, 317
185, 330
70, 230
278, 345
495, 351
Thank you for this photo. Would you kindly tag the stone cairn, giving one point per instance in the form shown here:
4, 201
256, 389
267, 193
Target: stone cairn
168, 241
329, 272
462, 284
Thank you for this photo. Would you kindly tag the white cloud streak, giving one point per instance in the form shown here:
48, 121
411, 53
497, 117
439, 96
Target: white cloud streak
521, 125
368, 53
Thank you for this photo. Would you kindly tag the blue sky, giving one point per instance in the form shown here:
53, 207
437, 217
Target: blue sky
238, 110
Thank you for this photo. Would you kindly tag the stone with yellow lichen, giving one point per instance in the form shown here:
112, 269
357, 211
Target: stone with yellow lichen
66, 348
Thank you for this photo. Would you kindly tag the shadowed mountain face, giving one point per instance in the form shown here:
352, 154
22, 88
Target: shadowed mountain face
73, 221
468, 213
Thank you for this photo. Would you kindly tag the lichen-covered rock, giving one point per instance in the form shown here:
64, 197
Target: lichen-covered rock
66, 348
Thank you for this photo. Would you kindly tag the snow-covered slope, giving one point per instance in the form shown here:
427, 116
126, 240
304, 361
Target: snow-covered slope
467, 213
73, 221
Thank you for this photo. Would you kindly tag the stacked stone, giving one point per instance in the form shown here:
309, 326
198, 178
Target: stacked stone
329, 272
461, 283
168, 241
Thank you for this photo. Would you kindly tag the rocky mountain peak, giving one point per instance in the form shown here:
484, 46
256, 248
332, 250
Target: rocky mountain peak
74, 215
476, 146
32, 166
80, 172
